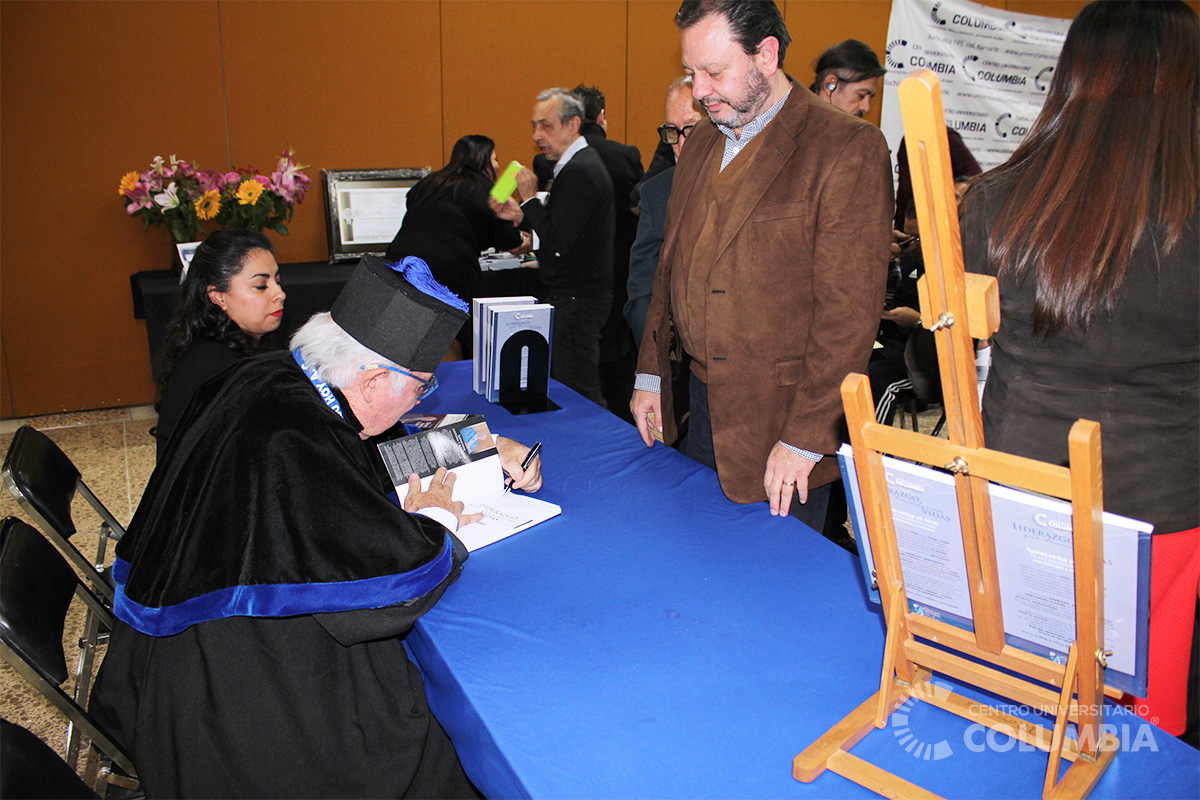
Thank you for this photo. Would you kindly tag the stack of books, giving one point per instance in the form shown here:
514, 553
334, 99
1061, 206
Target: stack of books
511, 337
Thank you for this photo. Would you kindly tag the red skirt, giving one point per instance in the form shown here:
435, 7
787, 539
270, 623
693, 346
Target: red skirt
1174, 582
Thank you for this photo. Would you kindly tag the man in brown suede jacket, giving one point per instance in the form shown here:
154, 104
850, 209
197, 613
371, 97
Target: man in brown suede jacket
773, 268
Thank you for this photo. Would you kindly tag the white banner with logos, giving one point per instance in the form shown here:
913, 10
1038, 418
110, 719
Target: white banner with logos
995, 68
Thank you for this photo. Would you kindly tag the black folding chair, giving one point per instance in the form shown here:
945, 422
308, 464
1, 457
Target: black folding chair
36, 588
30, 768
44, 481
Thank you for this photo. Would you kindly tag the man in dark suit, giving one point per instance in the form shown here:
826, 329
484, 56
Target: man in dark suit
618, 354
681, 113
773, 268
575, 226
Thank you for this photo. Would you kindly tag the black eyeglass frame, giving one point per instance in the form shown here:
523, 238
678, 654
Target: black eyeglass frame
669, 134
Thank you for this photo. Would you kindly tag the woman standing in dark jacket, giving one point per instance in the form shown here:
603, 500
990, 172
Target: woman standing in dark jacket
1092, 230
447, 223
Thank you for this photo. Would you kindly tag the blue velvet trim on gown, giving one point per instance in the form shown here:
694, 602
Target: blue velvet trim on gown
280, 600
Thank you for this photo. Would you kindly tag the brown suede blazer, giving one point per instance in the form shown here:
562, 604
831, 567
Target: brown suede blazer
795, 292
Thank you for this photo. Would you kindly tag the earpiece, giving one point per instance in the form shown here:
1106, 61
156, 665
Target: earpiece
831, 85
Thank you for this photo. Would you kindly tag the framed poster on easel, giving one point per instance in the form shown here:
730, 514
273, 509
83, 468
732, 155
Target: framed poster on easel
966, 632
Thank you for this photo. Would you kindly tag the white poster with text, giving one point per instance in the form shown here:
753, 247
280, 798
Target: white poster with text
994, 66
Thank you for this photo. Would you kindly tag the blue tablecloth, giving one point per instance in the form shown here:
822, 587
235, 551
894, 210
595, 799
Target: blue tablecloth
657, 640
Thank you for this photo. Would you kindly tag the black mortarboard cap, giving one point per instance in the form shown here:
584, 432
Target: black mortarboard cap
406, 321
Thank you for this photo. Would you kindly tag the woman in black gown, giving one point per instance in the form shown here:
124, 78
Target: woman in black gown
448, 223
229, 299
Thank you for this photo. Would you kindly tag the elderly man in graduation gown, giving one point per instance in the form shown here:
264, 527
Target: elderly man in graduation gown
267, 580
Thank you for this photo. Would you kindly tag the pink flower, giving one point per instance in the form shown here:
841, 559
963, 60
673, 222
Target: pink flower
288, 180
232, 177
186, 169
208, 180
139, 198
283, 186
291, 186
152, 180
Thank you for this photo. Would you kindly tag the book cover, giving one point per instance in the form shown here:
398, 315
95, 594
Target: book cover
1034, 559
478, 306
519, 348
464, 445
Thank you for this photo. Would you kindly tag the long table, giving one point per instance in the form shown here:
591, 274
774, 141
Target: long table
657, 640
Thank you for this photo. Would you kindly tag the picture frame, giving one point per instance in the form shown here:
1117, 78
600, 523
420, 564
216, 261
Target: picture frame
186, 250
364, 208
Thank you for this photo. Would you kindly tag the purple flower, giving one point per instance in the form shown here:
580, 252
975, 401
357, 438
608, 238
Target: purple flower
208, 180
139, 198
288, 180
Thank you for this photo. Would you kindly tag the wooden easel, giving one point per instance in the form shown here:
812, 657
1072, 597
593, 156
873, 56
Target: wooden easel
960, 308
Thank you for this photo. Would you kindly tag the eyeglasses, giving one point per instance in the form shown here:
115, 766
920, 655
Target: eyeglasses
671, 135
426, 388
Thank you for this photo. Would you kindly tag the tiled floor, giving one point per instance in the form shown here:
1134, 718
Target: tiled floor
115, 454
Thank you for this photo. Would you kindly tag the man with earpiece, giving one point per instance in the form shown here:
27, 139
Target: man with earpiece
848, 76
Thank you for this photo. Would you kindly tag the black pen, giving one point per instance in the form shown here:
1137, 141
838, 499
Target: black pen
533, 453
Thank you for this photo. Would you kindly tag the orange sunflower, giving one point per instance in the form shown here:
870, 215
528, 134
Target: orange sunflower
248, 192
209, 204
128, 181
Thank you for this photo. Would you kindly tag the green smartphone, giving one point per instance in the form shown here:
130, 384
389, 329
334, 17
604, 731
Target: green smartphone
506, 184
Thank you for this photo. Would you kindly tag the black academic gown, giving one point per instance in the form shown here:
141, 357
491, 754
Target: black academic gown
264, 588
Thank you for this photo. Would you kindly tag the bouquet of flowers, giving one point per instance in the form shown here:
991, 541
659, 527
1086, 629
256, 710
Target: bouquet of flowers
176, 193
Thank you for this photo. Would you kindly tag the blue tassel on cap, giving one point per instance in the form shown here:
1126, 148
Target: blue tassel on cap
416, 272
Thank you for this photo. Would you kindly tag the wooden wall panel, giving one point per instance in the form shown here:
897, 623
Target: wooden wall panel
654, 61
93, 90
349, 85
90, 92
497, 57
815, 25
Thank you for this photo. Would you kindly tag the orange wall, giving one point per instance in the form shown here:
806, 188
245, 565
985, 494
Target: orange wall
90, 91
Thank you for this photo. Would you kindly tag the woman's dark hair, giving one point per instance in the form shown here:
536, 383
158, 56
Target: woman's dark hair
217, 261
470, 159
1109, 165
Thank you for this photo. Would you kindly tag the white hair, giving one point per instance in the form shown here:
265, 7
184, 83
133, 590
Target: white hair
336, 355
571, 105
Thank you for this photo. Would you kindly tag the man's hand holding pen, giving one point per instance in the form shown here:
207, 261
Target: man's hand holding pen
521, 464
